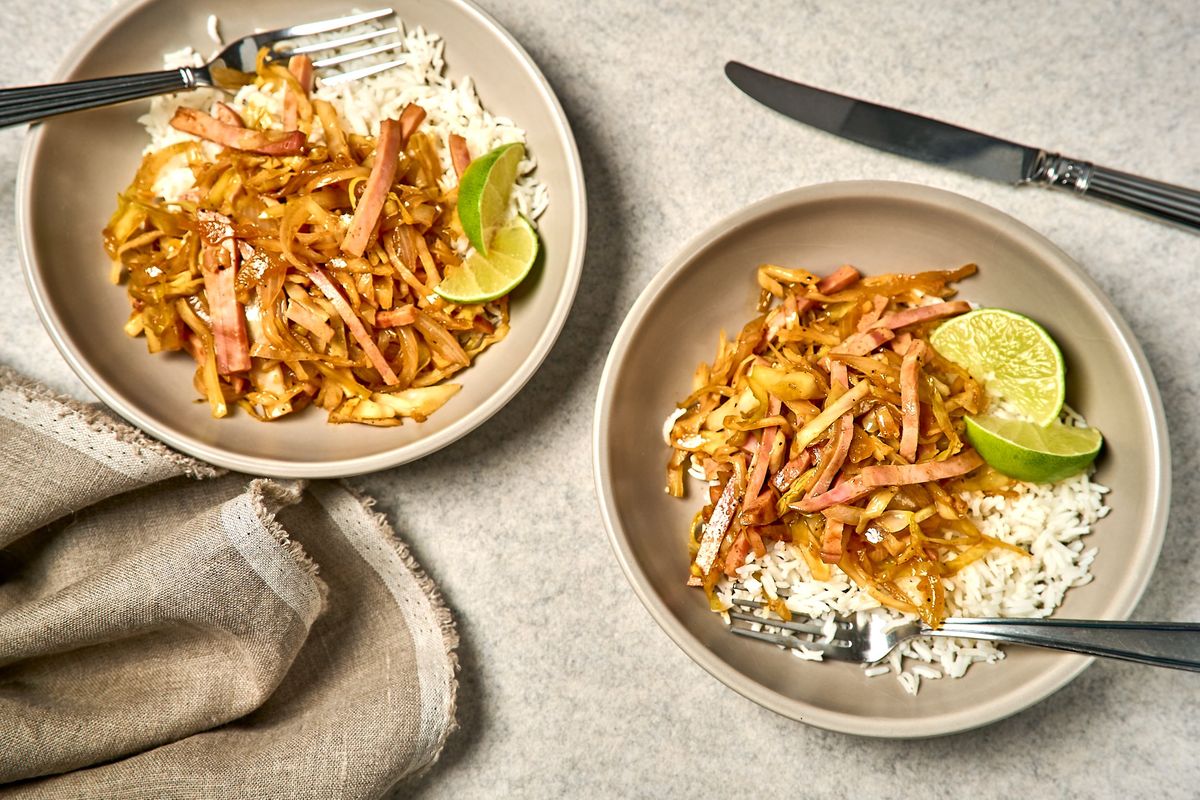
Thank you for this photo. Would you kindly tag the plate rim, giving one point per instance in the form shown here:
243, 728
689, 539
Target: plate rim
343, 467
1056, 676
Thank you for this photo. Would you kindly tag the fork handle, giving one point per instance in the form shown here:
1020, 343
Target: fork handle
30, 103
1160, 644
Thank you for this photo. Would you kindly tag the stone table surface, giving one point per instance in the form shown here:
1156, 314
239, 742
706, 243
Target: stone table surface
567, 684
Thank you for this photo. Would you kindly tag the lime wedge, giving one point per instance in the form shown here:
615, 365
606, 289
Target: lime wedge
1012, 354
481, 278
1035, 453
483, 193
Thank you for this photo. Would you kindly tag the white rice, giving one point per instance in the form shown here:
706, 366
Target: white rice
362, 104
1048, 520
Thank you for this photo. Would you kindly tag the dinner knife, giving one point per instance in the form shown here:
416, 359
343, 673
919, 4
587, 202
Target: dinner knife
968, 151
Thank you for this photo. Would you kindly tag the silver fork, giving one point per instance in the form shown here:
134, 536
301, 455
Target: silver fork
29, 103
871, 637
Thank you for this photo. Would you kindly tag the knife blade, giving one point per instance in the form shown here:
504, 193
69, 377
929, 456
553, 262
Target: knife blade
979, 154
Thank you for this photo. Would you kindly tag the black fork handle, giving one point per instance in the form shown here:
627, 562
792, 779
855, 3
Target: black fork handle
31, 103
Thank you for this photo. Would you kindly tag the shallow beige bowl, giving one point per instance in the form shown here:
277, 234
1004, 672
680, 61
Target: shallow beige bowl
879, 227
74, 166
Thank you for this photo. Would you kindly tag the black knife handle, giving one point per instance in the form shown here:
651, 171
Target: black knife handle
1163, 200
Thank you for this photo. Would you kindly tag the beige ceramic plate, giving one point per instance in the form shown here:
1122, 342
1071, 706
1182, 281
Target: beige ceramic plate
73, 167
879, 227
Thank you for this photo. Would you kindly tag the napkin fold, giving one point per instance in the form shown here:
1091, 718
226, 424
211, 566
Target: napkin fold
170, 631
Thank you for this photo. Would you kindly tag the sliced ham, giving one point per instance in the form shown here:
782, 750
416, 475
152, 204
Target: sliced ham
383, 172
230, 343
839, 279
301, 67
404, 315
911, 316
410, 119
342, 306
878, 305
792, 470
845, 492
910, 402
890, 475
224, 113
835, 281
861, 344
904, 474
459, 154
736, 556
833, 541
269, 143
756, 542
762, 458
839, 446
717, 526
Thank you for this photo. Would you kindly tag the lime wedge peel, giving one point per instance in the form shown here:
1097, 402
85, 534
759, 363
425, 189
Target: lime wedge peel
485, 277
483, 193
1012, 355
1034, 453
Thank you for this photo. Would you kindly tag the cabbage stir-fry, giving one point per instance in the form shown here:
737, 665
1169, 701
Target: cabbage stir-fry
300, 268
831, 424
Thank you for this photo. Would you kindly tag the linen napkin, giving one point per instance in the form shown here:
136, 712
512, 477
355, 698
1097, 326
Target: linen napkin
168, 631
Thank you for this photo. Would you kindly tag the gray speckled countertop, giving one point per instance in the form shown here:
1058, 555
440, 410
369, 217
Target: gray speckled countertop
567, 684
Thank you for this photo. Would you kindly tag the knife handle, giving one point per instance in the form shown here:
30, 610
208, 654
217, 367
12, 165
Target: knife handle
1164, 200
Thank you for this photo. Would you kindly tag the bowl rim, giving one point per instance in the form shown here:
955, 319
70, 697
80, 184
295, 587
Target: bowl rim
1067, 666
343, 467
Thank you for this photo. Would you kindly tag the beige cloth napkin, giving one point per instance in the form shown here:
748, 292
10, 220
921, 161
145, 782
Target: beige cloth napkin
168, 632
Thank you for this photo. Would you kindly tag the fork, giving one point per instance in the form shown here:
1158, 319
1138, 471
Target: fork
30, 103
1160, 644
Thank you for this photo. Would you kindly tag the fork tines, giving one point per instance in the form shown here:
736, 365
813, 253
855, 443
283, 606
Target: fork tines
284, 47
812, 632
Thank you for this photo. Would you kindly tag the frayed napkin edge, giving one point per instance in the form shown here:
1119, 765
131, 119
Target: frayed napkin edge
441, 614
97, 419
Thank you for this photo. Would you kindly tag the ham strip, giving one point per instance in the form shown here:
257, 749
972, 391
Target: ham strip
716, 526
224, 113
861, 344
911, 316
301, 67
905, 474
910, 402
410, 119
833, 542
839, 446
459, 154
845, 492
888, 475
268, 143
878, 304
835, 281
792, 470
736, 556
839, 279
230, 343
762, 458
404, 315
342, 306
383, 172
